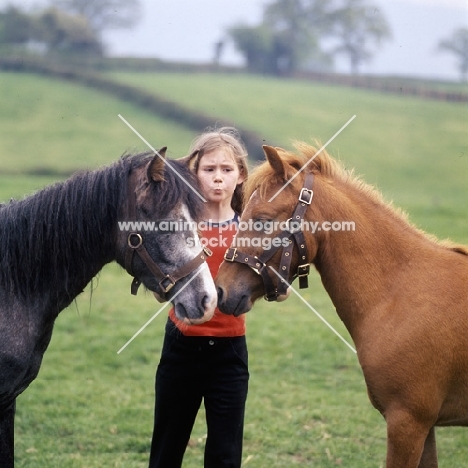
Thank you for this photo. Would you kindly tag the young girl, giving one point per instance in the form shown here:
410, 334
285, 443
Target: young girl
208, 361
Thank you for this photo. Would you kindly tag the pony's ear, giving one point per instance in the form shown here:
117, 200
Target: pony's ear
275, 161
156, 167
162, 152
191, 161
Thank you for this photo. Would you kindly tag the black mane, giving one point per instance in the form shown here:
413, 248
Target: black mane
55, 241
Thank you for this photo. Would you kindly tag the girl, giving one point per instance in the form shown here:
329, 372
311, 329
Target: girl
207, 361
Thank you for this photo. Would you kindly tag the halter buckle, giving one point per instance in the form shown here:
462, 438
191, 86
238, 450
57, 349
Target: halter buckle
303, 270
169, 283
308, 193
207, 251
230, 254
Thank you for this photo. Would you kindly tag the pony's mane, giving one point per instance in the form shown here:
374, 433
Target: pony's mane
57, 219
263, 176
53, 240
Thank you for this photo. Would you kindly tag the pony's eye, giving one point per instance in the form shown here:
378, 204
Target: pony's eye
145, 211
262, 219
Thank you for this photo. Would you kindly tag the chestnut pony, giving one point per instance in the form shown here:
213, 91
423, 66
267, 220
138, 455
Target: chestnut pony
401, 294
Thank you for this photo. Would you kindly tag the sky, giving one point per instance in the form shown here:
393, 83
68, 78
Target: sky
186, 30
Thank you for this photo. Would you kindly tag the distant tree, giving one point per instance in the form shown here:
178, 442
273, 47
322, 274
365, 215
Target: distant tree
218, 52
15, 26
292, 33
296, 27
457, 44
288, 35
256, 45
63, 32
103, 14
53, 30
358, 26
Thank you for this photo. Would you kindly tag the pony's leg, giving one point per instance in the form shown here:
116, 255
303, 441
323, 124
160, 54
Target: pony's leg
405, 440
7, 433
429, 455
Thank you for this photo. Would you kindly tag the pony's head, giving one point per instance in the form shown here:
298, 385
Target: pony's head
163, 221
269, 239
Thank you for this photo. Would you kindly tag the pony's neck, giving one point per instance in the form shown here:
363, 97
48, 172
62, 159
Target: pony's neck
96, 245
357, 267
61, 237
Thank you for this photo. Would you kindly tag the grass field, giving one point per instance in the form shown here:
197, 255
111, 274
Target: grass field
53, 126
307, 406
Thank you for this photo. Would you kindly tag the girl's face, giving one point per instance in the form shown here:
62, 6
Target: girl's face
219, 175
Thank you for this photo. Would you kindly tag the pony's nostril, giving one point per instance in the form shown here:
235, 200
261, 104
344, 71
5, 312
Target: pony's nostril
220, 295
206, 302
180, 311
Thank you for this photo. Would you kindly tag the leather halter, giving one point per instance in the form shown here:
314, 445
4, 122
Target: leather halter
294, 235
135, 243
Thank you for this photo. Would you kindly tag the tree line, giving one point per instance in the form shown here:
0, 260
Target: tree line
298, 34
66, 26
293, 35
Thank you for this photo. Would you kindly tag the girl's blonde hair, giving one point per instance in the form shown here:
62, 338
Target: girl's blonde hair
229, 139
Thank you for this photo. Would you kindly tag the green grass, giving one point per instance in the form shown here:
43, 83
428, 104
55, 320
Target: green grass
307, 405
307, 402
56, 126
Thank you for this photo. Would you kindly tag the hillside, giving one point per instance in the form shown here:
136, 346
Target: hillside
50, 128
307, 405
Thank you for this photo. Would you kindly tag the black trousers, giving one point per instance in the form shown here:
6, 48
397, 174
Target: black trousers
193, 369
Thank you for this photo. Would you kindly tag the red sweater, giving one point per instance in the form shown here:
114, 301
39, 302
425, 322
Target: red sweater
217, 238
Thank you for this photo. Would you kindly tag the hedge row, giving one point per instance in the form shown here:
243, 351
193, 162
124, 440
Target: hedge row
198, 121
393, 85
